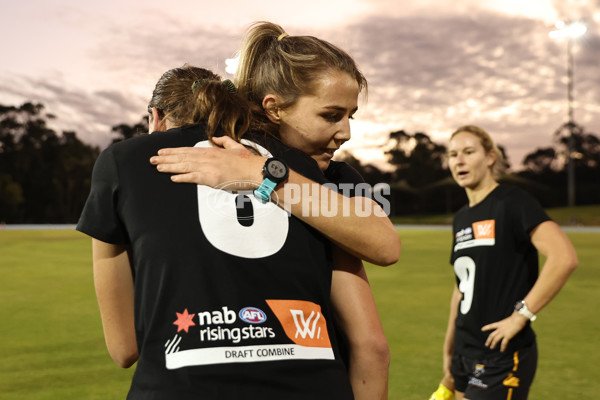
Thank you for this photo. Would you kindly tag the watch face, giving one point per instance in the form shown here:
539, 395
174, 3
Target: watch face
277, 169
519, 305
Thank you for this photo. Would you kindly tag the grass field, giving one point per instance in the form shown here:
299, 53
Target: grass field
580, 216
51, 342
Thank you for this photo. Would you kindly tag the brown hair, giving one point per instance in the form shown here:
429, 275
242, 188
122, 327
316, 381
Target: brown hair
271, 61
488, 145
191, 95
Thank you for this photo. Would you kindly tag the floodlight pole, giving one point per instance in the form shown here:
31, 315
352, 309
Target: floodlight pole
570, 31
571, 125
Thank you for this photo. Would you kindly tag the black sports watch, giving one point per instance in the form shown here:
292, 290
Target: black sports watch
275, 171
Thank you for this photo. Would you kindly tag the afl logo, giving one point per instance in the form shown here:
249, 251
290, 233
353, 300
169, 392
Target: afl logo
253, 315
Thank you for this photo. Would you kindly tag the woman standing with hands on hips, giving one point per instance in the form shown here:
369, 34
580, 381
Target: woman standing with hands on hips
490, 349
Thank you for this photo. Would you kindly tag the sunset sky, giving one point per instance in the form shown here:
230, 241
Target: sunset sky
432, 65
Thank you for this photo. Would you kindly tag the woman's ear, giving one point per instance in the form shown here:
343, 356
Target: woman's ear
272, 111
156, 123
492, 158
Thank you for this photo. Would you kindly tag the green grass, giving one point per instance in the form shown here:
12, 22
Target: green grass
583, 215
52, 345
413, 299
50, 337
580, 215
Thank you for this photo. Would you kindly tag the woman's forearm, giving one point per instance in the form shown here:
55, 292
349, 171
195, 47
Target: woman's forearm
448, 347
113, 281
358, 320
356, 224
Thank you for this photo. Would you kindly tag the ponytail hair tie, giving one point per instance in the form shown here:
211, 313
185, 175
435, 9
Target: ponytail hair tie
229, 85
283, 35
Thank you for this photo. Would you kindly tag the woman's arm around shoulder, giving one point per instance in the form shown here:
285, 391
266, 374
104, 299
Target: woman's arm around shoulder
357, 224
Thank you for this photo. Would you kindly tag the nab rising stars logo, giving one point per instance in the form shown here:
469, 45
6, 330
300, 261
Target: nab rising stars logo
253, 315
464, 234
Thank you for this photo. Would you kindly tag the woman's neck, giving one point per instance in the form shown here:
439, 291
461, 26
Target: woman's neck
477, 194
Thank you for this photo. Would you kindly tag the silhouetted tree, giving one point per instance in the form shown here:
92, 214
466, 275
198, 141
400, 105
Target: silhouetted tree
540, 160
124, 131
416, 158
11, 196
72, 175
45, 177
418, 164
548, 167
370, 173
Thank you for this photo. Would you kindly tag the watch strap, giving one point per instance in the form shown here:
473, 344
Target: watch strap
263, 192
522, 309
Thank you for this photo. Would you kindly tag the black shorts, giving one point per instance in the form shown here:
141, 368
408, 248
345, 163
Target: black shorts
504, 377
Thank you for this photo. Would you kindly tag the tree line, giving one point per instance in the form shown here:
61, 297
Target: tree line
421, 183
45, 176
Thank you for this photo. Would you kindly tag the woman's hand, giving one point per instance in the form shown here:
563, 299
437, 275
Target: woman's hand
503, 331
214, 166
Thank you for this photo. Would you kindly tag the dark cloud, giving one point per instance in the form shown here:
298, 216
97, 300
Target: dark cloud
426, 73
502, 72
152, 49
90, 114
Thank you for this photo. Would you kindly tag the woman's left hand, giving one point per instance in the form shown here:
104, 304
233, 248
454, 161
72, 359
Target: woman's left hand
503, 331
213, 166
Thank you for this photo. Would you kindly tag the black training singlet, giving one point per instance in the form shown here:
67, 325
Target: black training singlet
231, 295
495, 264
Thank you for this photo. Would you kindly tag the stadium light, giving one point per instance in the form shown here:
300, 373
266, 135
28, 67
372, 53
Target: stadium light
570, 31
